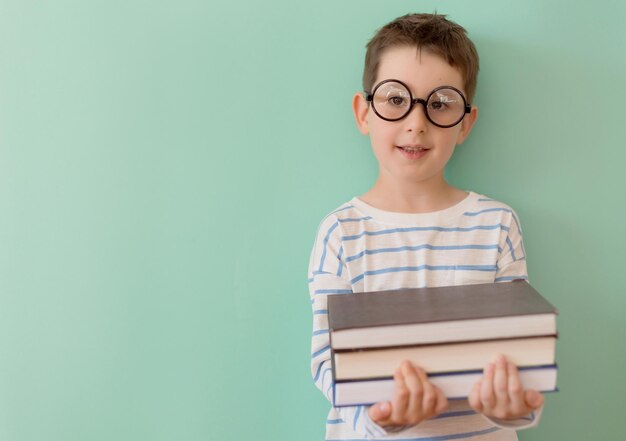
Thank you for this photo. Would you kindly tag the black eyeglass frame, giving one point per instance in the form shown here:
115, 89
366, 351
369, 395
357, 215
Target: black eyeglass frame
370, 97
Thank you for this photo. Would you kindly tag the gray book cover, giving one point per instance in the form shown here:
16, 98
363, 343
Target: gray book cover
427, 305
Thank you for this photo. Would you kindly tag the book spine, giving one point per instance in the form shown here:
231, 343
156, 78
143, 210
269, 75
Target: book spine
454, 385
443, 358
448, 343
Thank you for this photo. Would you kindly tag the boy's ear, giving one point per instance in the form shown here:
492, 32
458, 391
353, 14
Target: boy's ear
360, 108
467, 124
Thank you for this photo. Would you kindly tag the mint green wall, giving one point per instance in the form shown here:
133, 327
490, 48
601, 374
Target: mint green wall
160, 190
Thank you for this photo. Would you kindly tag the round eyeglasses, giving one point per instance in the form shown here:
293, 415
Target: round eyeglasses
392, 100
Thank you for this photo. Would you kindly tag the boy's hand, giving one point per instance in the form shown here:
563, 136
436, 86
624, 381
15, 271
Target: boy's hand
499, 394
415, 399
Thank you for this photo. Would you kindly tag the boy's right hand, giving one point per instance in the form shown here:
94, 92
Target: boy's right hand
415, 399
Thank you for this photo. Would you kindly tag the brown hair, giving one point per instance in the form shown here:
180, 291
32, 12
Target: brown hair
425, 31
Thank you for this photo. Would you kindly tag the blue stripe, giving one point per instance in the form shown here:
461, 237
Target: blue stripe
339, 421
319, 273
347, 207
424, 267
409, 229
519, 228
487, 210
332, 291
355, 219
340, 262
421, 247
321, 351
330, 386
509, 278
340, 270
327, 216
356, 417
321, 331
324, 375
320, 312
319, 369
510, 244
330, 230
310, 280
324, 220
433, 438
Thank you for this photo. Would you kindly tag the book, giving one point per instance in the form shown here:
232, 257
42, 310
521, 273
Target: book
437, 315
453, 384
444, 357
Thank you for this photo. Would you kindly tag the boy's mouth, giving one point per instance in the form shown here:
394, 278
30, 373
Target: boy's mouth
413, 151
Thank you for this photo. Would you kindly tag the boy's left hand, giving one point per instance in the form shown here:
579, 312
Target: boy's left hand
499, 394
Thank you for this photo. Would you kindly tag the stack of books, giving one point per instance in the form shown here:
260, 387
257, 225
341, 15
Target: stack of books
451, 332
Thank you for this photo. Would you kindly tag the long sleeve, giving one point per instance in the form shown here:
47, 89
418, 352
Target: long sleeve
526, 422
328, 276
511, 265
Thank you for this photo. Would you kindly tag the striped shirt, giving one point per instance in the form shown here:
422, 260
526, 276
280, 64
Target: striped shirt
359, 248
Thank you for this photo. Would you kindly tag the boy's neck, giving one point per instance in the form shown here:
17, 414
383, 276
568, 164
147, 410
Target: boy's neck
413, 198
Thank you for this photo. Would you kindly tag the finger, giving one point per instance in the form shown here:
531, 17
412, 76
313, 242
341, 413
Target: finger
380, 412
414, 382
400, 398
487, 397
474, 397
533, 399
442, 401
501, 383
516, 391
429, 396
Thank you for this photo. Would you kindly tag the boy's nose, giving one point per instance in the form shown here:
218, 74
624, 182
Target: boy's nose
416, 120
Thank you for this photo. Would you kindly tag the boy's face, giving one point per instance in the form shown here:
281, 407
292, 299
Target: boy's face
413, 149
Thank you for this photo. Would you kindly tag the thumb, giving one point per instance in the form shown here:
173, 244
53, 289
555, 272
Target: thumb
380, 411
533, 399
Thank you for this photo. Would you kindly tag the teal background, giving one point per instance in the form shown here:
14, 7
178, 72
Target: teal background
164, 167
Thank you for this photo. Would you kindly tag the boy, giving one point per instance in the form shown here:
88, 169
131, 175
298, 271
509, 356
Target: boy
413, 229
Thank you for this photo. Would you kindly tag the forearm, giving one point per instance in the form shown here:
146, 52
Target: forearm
321, 369
327, 277
355, 416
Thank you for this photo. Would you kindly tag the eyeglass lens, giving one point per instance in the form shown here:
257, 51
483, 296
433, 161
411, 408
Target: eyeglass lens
444, 107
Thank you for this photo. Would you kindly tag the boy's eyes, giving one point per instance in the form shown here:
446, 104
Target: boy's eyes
438, 105
398, 100
402, 101
392, 100
443, 100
